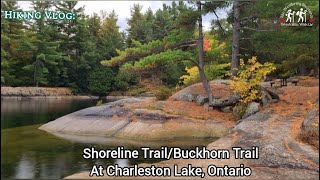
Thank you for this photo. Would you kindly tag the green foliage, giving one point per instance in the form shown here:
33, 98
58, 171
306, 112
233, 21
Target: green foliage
2, 80
109, 37
239, 110
135, 91
68, 53
217, 51
213, 71
39, 70
248, 81
136, 30
300, 65
192, 77
264, 37
135, 53
216, 71
165, 65
161, 59
163, 93
101, 80
126, 77
171, 72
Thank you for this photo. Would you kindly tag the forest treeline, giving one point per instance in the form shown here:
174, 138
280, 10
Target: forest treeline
92, 55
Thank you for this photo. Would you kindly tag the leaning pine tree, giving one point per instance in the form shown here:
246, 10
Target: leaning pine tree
174, 48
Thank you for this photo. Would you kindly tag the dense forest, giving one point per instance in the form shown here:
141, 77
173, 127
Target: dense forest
91, 54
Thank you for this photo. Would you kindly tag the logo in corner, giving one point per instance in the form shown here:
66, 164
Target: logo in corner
296, 14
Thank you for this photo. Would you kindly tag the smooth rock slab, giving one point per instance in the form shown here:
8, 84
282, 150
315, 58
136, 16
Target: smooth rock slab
116, 119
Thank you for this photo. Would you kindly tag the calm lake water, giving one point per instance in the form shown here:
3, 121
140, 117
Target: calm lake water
27, 152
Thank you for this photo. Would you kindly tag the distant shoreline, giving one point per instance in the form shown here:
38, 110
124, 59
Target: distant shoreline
48, 97
36, 91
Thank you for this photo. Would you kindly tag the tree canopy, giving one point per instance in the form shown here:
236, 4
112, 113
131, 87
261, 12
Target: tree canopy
160, 44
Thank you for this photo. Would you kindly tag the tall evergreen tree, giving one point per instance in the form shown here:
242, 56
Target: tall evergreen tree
163, 22
109, 36
43, 64
11, 32
136, 29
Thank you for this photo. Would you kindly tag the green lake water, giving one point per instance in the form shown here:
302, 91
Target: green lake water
28, 153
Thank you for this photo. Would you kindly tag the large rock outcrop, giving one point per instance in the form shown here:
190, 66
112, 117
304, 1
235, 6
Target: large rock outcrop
118, 119
196, 92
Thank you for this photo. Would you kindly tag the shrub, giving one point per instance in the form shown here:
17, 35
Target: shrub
126, 77
248, 81
193, 76
101, 80
212, 71
136, 91
171, 72
121, 85
216, 71
163, 93
239, 110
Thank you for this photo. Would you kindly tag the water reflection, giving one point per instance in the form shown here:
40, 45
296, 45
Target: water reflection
22, 112
122, 162
25, 168
27, 152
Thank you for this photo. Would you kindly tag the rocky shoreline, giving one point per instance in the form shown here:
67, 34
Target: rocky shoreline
35, 91
275, 130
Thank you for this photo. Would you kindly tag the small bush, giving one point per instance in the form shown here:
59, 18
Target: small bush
216, 71
212, 71
125, 78
239, 110
170, 73
248, 81
101, 80
136, 91
121, 85
193, 76
163, 93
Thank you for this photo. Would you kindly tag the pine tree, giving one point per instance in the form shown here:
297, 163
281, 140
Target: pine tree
109, 36
11, 32
163, 22
43, 64
136, 29
148, 25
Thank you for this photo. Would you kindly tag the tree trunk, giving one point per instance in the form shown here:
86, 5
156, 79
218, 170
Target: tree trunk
203, 77
235, 39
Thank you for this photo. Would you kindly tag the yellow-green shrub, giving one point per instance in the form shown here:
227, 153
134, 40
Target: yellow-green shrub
248, 80
193, 76
212, 71
163, 93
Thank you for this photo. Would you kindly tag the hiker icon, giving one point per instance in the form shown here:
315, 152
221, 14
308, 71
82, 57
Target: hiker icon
302, 15
290, 16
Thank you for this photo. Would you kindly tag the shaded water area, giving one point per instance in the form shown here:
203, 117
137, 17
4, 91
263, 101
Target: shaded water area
27, 152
